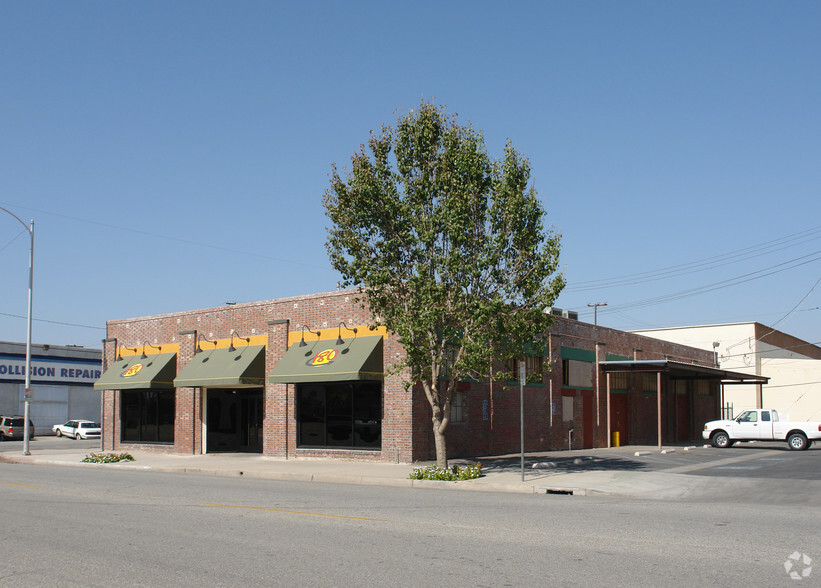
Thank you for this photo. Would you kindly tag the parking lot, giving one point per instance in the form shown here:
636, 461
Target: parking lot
746, 459
759, 460
51, 443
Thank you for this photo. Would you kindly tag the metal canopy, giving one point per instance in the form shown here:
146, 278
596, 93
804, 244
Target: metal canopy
681, 371
243, 366
357, 358
135, 371
674, 370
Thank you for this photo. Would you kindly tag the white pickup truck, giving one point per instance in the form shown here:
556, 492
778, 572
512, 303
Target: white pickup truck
762, 425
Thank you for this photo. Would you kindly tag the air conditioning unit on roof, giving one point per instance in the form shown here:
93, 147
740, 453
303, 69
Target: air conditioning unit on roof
570, 314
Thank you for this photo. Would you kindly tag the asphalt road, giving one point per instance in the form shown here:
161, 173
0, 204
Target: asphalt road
98, 527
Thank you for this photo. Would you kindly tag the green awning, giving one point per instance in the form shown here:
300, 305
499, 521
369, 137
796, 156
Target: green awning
578, 354
245, 366
155, 371
357, 358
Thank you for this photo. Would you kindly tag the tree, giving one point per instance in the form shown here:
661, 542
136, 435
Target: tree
449, 250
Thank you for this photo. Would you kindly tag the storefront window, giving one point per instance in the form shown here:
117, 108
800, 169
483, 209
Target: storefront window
340, 414
148, 416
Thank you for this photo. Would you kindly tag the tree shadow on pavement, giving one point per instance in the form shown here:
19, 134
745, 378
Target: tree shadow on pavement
561, 465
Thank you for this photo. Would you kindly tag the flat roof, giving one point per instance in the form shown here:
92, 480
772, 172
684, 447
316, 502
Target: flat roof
681, 371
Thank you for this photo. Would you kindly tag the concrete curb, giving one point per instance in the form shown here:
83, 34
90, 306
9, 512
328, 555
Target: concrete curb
470, 485
648, 485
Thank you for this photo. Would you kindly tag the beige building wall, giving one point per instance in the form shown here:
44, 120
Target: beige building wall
793, 365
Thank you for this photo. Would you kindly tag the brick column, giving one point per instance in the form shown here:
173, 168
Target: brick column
188, 403
279, 423
108, 416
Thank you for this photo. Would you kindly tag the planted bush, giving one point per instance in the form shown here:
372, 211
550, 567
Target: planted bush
451, 474
107, 457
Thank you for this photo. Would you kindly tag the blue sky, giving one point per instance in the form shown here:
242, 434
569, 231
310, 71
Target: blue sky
173, 155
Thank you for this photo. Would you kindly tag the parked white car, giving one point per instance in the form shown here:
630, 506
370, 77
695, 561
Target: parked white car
762, 425
78, 429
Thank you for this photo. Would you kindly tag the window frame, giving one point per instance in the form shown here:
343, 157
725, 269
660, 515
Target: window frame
458, 405
162, 401
534, 364
321, 422
566, 369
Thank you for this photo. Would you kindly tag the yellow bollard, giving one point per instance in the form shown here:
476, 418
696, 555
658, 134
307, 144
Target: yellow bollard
616, 441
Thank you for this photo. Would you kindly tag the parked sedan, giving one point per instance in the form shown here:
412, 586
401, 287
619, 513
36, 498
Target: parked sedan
78, 429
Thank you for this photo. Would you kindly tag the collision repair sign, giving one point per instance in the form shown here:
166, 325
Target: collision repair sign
50, 370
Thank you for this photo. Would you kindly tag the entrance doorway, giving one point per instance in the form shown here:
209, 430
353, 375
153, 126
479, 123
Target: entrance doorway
618, 416
683, 432
233, 420
587, 420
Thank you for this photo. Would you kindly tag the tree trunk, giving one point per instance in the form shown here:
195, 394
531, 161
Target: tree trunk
441, 446
439, 422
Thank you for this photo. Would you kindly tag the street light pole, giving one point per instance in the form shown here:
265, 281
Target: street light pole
27, 395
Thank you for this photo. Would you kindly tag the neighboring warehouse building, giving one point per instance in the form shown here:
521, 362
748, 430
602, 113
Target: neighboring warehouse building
793, 366
307, 377
62, 380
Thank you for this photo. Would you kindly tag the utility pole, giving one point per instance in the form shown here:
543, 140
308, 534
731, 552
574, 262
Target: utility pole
27, 395
595, 307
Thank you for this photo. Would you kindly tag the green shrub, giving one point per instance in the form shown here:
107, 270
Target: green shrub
107, 457
451, 474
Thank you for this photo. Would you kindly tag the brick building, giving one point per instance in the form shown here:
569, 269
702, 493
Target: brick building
308, 377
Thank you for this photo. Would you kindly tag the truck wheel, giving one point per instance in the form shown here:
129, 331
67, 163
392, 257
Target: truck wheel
720, 439
797, 441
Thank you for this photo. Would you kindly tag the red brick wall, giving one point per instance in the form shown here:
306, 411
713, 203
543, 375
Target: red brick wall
406, 425
500, 433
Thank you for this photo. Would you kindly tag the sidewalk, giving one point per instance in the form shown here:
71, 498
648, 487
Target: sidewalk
613, 474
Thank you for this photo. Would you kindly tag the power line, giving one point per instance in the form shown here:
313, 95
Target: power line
701, 264
773, 351
792, 310
769, 387
54, 322
756, 275
17, 236
794, 307
177, 239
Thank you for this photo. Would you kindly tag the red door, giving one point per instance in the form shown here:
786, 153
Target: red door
683, 417
618, 416
587, 421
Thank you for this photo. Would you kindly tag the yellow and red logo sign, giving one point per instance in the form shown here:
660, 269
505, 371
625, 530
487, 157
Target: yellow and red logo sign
132, 371
323, 358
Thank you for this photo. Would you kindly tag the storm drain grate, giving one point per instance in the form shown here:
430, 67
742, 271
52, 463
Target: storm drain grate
561, 491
